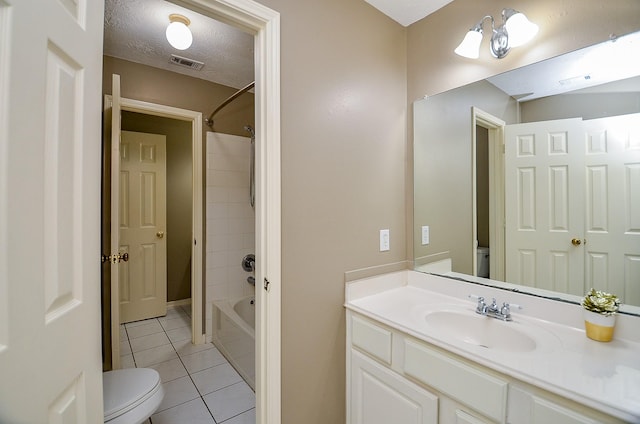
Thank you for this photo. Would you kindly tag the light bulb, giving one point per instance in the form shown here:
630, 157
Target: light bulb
520, 29
178, 33
470, 46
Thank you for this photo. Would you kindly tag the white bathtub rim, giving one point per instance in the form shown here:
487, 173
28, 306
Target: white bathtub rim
226, 306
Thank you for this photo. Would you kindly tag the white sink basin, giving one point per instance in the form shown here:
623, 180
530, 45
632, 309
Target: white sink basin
486, 332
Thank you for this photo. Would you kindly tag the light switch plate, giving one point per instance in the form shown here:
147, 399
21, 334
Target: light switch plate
425, 235
384, 240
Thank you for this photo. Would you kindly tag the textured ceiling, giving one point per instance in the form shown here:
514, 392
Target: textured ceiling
134, 30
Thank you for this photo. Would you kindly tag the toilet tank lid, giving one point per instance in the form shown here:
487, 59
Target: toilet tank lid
124, 389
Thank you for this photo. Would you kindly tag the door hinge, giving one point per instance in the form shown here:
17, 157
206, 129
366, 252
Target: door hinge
118, 257
266, 284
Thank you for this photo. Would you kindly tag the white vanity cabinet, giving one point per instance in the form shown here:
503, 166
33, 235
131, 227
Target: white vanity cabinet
385, 382
394, 378
381, 396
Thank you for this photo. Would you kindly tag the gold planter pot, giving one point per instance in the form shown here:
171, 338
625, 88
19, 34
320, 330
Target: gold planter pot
599, 327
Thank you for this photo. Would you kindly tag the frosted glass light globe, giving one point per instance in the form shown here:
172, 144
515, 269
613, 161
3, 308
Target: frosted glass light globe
179, 36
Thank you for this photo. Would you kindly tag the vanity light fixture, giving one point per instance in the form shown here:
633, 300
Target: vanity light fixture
178, 33
514, 31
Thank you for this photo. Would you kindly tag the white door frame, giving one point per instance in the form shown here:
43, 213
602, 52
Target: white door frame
495, 126
195, 118
264, 24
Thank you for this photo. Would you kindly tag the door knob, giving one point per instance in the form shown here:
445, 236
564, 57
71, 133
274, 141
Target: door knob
576, 242
160, 234
123, 257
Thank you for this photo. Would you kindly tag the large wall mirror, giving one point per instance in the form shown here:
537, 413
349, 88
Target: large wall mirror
532, 177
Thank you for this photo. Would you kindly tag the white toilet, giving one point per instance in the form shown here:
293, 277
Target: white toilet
483, 262
131, 395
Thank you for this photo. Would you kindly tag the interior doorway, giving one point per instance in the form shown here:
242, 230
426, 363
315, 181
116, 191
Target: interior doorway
111, 216
488, 190
264, 24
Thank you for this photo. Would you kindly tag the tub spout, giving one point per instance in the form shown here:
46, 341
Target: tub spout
251, 280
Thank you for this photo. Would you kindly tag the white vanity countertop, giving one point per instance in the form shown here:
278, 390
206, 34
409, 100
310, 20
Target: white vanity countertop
604, 376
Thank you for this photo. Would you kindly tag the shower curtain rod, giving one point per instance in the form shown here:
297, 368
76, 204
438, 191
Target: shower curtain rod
209, 120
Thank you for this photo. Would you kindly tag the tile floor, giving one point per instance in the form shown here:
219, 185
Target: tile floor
200, 386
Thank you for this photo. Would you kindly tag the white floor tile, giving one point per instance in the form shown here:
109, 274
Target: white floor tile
185, 347
177, 392
230, 401
179, 334
170, 370
215, 378
145, 329
174, 313
125, 347
123, 333
139, 323
172, 324
156, 343
248, 417
126, 361
202, 360
163, 353
148, 342
192, 412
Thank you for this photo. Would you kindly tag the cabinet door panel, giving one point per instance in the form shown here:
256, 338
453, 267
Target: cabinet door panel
379, 396
547, 412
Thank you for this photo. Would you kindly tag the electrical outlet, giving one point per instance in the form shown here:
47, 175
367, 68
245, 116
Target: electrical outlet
425, 235
384, 240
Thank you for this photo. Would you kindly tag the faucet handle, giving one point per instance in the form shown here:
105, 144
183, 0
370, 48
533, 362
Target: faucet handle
481, 308
505, 311
511, 305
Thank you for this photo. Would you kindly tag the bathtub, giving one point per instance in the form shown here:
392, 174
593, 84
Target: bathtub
234, 334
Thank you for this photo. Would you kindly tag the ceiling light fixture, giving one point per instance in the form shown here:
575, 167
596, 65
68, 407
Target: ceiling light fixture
515, 31
178, 34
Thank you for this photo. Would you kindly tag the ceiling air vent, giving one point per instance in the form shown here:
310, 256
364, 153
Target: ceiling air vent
187, 63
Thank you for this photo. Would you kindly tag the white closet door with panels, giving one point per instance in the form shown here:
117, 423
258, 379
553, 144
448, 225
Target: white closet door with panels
50, 156
572, 205
543, 204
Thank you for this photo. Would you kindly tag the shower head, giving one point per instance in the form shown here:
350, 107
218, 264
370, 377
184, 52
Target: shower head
250, 130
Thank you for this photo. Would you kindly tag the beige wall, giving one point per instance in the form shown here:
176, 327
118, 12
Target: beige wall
433, 67
343, 94
348, 76
162, 87
179, 196
443, 168
585, 105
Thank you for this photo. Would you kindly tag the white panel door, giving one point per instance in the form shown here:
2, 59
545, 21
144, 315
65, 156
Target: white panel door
612, 161
142, 223
50, 145
380, 396
544, 198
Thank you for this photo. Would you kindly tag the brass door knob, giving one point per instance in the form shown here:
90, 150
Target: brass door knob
160, 234
123, 257
576, 242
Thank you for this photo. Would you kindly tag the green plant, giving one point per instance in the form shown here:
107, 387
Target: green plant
601, 302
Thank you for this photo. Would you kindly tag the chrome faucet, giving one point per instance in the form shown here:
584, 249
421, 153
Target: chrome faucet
494, 311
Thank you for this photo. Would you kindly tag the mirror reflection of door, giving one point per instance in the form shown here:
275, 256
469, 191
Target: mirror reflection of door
143, 279
571, 219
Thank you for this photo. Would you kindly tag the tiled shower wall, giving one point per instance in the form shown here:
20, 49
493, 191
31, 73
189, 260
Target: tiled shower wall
230, 219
